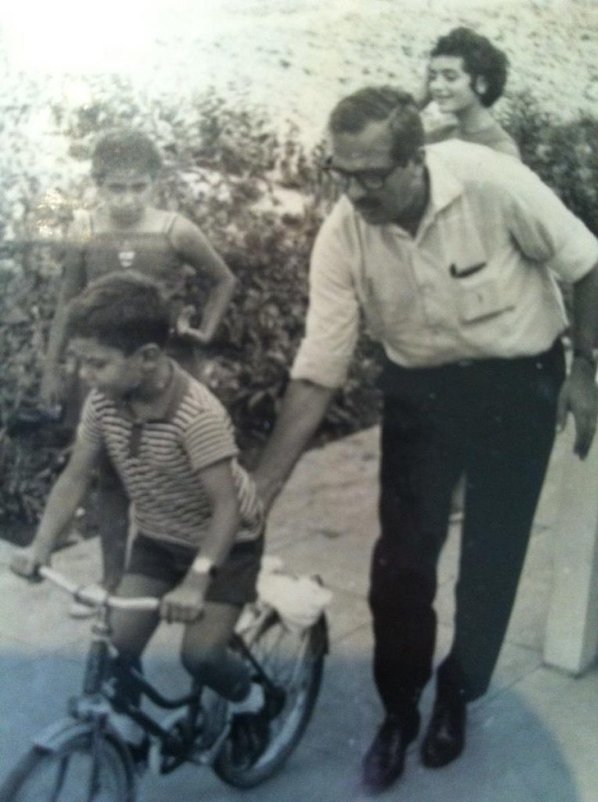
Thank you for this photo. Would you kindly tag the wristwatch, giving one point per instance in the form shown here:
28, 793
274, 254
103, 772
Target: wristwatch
203, 565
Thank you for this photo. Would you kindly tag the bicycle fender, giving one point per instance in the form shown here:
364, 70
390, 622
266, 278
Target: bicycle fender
57, 734
54, 737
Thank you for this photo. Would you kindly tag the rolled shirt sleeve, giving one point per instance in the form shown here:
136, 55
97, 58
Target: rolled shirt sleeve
209, 439
546, 231
89, 428
333, 317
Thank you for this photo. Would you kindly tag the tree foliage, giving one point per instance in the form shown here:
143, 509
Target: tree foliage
259, 198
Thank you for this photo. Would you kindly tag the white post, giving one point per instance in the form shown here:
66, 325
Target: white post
571, 640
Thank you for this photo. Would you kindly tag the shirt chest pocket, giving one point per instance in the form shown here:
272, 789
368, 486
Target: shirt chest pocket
476, 283
482, 299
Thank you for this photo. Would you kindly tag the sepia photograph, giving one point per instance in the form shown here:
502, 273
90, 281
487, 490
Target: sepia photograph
298, 400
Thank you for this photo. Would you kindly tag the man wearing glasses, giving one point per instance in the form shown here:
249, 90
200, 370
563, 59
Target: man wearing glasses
450, 253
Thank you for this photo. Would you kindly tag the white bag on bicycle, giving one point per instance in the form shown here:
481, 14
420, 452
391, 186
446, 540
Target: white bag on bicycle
299, 600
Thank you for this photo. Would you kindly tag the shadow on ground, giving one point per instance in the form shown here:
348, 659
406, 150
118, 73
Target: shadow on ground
510, 757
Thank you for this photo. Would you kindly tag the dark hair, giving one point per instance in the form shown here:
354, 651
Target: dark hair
378, 103
124, 149
121, 310
481, 59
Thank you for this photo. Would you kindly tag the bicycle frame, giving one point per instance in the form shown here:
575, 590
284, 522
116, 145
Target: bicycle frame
88, 754
95, 703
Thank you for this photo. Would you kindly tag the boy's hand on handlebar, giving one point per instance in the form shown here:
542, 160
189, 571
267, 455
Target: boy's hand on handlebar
25, 562
185, 603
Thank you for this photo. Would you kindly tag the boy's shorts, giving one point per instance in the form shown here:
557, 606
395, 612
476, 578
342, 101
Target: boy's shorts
234, 582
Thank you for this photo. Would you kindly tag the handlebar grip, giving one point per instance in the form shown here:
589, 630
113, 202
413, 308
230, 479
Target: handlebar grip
57, 578
94, 596
140, 603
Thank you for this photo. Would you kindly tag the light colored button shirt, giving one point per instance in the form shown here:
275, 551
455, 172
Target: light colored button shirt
477, 280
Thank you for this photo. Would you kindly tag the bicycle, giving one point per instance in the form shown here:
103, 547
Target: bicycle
84, 758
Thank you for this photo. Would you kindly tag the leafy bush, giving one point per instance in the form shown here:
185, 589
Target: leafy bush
564, 155
259, 198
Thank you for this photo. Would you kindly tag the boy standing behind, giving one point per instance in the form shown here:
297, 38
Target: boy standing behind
196, 512
126, 231
466, 76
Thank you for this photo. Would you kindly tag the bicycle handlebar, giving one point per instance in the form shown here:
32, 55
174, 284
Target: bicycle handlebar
95, 597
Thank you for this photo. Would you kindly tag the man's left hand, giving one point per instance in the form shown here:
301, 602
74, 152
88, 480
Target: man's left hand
579, 395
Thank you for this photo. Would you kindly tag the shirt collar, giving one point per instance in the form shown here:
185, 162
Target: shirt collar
177, 388
444, 189
167, 405
444, 186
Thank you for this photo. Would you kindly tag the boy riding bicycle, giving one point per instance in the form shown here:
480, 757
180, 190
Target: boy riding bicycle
197, 519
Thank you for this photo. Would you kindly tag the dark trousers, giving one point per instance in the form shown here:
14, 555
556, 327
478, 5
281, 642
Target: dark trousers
494, 421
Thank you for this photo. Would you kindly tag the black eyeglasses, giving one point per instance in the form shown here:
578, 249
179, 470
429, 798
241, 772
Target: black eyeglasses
367, 179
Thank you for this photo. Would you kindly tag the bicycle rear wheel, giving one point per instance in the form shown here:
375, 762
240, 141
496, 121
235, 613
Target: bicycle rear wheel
69, 773
294, 662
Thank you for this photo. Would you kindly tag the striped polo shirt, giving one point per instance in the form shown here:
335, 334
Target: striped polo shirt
158, 459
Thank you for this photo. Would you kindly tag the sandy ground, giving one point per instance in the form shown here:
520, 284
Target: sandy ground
294, 57
298, 58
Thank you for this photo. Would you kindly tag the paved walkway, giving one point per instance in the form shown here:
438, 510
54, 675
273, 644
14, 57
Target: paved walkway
532, 738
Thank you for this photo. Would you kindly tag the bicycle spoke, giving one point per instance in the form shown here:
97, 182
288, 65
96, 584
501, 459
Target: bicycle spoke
59, 779
292, 661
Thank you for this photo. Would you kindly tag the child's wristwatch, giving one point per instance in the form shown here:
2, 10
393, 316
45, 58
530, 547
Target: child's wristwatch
203, 565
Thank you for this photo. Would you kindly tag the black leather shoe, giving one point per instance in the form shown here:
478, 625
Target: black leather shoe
445, 739
385, 759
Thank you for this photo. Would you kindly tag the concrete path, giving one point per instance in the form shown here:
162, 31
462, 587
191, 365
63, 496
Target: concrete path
532, 738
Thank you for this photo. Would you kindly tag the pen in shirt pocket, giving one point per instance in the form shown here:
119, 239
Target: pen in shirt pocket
466, 271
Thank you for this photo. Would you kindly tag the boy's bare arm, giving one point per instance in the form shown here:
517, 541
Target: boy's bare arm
73, 281
185, 603
195, 250
63, 501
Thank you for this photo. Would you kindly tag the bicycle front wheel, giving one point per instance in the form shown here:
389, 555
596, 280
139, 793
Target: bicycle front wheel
293, 662
76, 772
